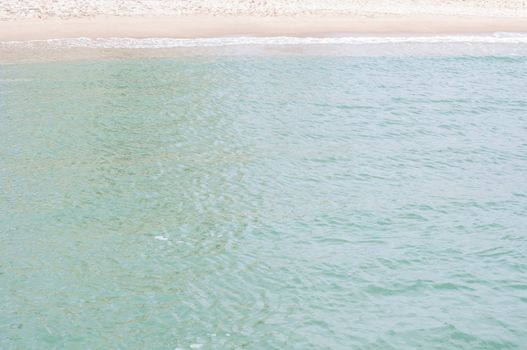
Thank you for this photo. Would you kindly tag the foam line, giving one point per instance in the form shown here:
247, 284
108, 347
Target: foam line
151, 43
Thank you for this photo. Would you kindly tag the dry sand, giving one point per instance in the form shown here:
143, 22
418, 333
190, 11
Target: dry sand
43, 19
26, 9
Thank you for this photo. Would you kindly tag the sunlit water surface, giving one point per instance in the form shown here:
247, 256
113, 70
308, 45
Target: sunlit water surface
264, 203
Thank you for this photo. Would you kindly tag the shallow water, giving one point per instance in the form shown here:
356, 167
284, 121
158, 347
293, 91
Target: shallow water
264, 203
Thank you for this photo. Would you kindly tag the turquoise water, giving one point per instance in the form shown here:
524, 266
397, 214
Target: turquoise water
264, 202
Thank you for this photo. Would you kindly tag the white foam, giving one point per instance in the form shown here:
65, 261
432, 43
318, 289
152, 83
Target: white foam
153, 43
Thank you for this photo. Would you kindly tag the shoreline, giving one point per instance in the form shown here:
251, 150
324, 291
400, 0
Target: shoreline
206, 26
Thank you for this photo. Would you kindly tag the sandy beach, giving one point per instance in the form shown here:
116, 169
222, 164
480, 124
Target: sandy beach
194, 26
29, 20
263, 174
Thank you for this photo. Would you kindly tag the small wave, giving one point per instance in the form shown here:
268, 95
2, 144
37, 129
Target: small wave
152, 43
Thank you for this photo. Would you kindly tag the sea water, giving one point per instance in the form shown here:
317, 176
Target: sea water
264, 202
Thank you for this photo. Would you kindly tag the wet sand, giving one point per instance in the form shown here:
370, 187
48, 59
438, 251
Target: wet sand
214, 26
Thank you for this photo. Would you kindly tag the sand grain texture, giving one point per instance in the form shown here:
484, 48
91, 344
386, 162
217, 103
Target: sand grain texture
33, 9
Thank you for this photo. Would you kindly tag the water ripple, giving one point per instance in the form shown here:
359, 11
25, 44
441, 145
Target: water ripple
264, 203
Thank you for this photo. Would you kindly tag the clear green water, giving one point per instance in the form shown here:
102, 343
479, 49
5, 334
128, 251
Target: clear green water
264, 203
